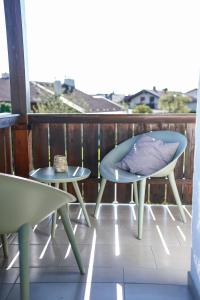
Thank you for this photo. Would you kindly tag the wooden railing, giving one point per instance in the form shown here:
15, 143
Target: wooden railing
85, 139
32, 141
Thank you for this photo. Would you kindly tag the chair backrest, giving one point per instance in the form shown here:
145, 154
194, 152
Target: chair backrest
25, 201
122, 149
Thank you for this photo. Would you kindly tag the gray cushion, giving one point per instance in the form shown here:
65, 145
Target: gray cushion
148, 155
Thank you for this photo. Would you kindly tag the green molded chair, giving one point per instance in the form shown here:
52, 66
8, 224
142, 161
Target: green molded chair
110, 172
23, 203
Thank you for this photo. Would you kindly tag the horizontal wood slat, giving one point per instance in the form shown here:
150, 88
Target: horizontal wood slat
111, 118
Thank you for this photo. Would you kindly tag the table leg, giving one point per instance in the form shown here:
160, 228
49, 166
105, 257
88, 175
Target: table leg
54, 218
80, 199
64, 184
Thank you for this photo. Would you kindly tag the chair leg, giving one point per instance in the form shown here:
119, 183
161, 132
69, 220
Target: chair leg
176, 195
53, 225
141, 207
100, 194
4, 245
71, 237
80, 199
23, 236
135, 192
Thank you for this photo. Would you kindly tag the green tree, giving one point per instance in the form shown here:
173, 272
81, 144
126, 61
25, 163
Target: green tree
5, 107
53, 105
174, 102
142, 109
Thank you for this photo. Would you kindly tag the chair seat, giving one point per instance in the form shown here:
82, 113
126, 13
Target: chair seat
118, 175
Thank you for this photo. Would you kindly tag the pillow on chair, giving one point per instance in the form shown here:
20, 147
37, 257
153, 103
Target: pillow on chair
148, 155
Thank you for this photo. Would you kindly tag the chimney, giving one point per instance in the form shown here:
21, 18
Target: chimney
154, 89
69, 84
57, 87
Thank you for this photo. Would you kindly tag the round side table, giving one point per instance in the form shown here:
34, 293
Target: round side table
73, 174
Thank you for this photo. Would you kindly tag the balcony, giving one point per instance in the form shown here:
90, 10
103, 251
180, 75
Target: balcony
118, 265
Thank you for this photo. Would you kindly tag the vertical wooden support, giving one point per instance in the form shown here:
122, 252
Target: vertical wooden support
22, 139
17, 55
74, 150
74, 145
40, 145
19, 82
107, 143
90, 160
57, 140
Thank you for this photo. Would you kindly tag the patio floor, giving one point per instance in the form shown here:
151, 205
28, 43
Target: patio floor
119, 267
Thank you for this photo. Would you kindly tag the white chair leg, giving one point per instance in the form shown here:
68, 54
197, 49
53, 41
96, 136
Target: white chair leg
176, 195
135, 188
141, 207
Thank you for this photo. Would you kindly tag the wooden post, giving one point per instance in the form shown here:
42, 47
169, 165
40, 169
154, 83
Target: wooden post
22, 149
19, 82
17, 54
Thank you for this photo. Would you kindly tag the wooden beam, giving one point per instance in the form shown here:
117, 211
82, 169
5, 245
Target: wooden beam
111, 118
17, 54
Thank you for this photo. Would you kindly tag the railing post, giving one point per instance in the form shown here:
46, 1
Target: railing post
22, 148
17, 54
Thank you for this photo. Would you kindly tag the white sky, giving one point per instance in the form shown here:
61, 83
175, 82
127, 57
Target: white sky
106, 45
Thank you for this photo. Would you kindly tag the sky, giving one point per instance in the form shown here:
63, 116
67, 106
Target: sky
112, 45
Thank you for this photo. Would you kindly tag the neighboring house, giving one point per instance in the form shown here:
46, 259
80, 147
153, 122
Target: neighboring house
151, 97
79, 101
193, 99
83, 102
148, 97
36, 94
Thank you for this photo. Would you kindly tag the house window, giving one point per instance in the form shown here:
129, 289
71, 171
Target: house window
151, 102
142, 99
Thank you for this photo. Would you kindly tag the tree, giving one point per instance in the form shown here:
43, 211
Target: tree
174, 102
53, 105
142, 109
5, 107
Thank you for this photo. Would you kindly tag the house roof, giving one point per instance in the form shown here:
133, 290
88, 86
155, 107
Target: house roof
80, 101
4, 89
191, 91
193, 95
90, 104
151, 92
36, 94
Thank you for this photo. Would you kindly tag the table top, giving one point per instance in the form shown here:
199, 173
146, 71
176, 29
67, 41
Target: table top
48, 175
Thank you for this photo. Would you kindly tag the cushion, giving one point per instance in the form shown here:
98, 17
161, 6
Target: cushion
148, 155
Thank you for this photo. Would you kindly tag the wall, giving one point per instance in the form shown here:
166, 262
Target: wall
147, 96
195, 258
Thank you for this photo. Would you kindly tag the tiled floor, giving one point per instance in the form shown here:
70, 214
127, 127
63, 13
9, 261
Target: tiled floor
118, 266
